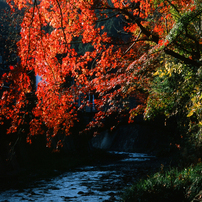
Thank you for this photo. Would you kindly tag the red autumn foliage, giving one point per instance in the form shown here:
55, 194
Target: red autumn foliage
121, 68
11, 67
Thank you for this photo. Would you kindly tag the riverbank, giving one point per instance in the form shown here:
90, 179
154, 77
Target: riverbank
174, 177
102, 179
53, 165
169, 184
138, 176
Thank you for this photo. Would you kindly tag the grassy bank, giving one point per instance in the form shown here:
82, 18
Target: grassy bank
167, 185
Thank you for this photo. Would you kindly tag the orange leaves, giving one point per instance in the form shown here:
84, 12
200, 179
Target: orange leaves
11, 67
76, 39
136, 111
4, 75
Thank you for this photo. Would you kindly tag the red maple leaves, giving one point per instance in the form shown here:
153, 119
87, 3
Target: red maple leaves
112, 68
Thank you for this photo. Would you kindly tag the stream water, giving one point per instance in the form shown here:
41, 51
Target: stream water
103, 183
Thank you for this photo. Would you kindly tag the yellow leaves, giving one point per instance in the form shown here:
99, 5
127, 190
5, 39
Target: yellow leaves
191, 113
169, 69
200, 123
159, 73
172, 67
196, 103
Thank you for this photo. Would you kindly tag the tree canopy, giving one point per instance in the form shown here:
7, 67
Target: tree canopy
149, 44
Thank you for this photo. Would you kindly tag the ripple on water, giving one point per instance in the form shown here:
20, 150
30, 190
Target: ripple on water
90, 183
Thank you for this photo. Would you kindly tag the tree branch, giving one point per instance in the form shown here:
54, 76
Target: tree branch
180, 57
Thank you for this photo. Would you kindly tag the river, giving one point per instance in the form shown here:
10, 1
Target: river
100, 183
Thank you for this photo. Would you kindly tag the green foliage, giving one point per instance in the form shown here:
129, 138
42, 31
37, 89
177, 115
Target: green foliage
170, 90
176, 87
182, 23
169, 186
176, 90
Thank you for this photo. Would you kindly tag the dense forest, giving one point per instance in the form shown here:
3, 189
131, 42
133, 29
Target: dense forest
103, 64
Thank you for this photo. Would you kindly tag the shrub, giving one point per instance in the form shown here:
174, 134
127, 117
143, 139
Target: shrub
172, 185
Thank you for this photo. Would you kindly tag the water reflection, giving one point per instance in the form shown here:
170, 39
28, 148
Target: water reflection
90, 183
